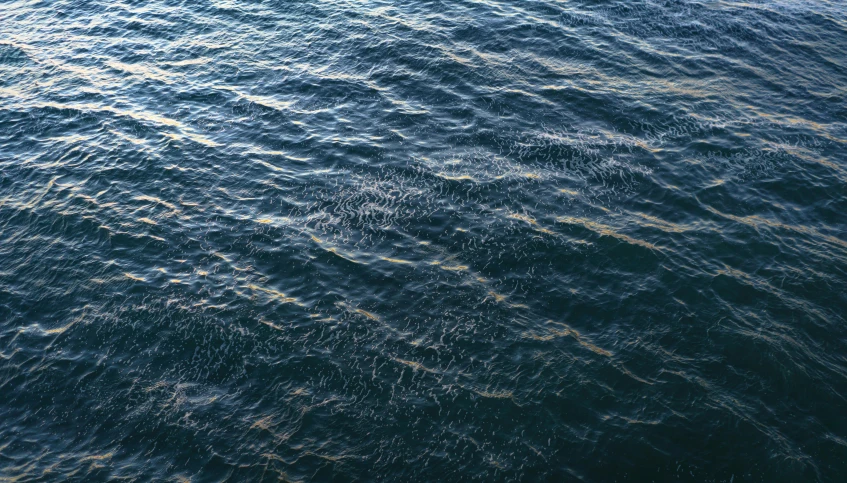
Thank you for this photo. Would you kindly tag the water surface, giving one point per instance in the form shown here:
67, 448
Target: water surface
423, 241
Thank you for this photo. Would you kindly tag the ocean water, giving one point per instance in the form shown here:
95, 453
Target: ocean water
476, 240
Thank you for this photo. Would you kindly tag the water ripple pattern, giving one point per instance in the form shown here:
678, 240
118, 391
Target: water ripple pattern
372, 240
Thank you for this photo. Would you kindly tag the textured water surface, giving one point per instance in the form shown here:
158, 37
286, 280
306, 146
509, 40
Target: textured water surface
505, 240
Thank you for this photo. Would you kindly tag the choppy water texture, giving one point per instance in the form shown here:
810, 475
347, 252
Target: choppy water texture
423, 241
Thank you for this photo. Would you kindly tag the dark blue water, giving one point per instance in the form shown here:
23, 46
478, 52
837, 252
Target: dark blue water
423, 241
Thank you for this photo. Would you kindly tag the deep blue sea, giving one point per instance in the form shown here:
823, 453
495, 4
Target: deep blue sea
423, 241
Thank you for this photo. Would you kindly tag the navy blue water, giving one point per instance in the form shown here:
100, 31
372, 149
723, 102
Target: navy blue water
423, 241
